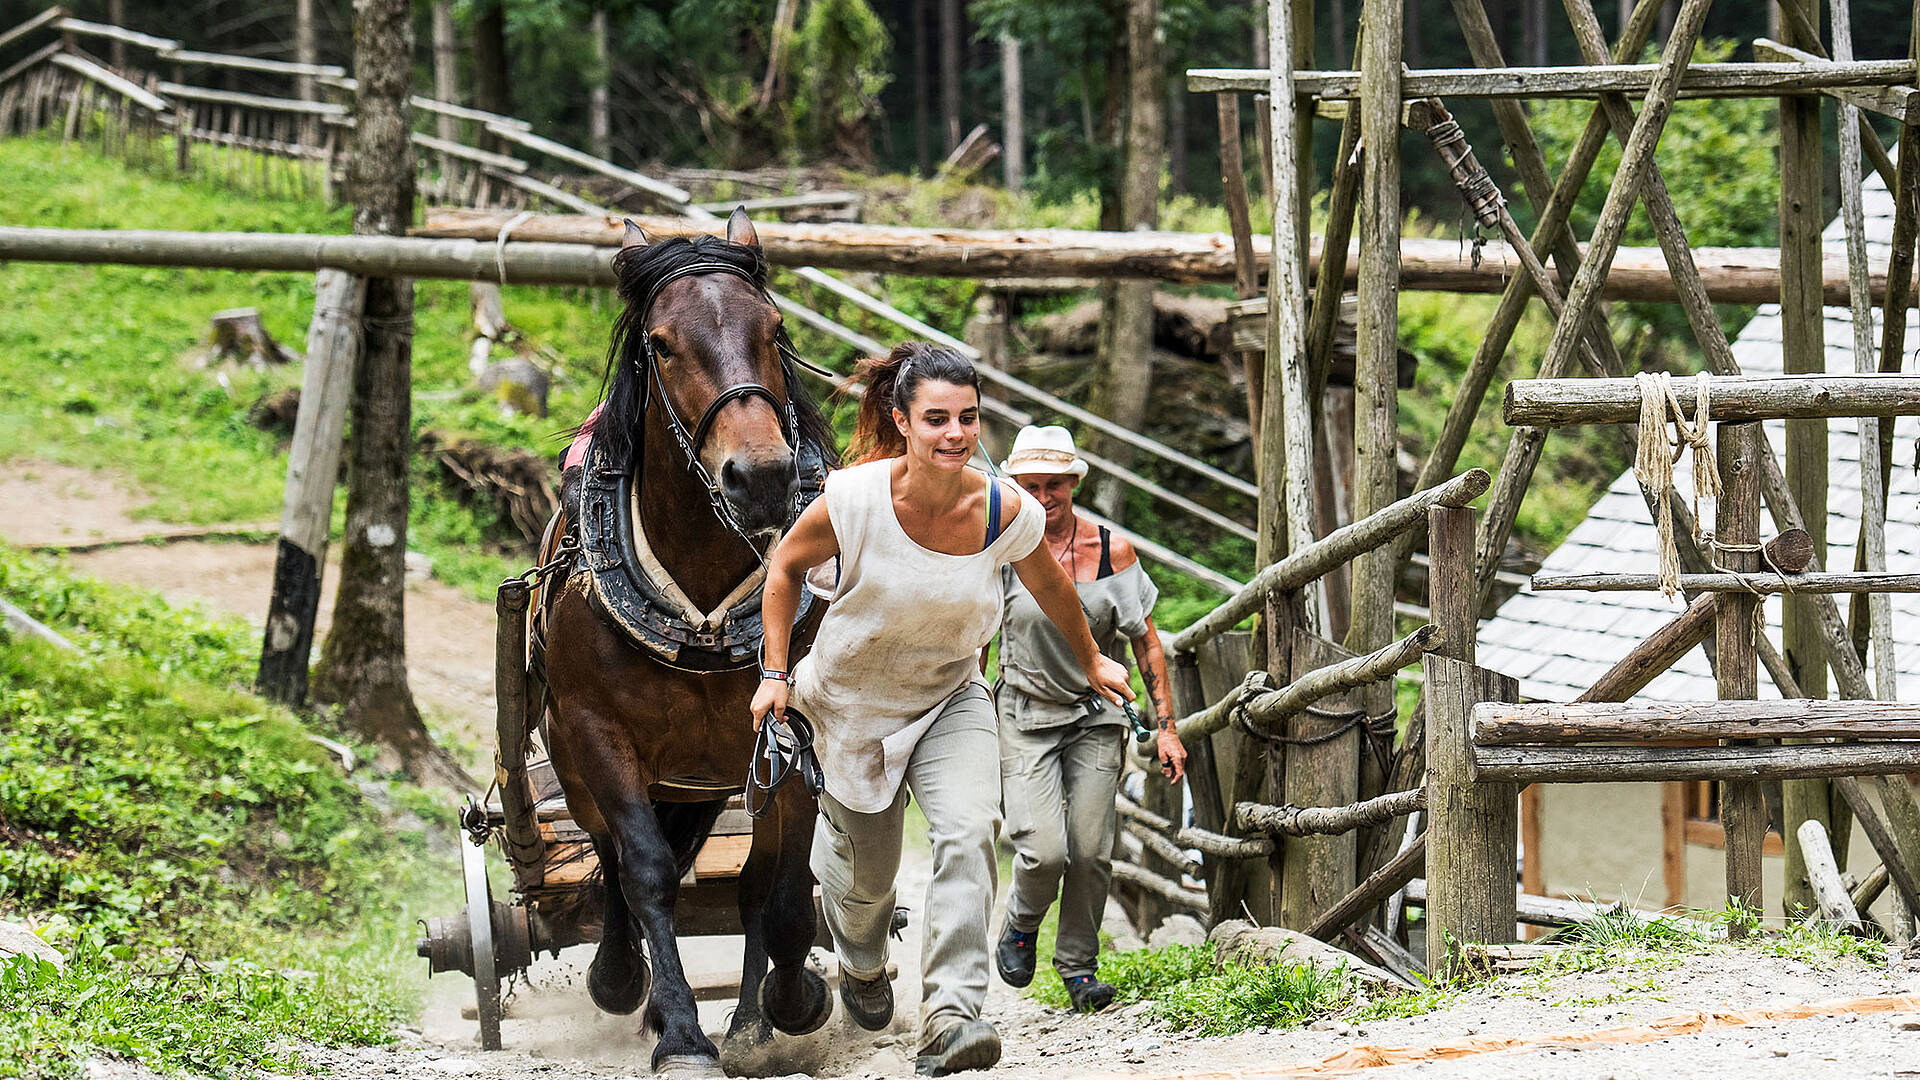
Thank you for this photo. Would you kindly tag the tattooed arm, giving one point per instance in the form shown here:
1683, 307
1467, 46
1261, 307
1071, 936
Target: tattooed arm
1152, 661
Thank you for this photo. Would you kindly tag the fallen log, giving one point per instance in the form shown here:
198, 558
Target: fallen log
1829, 891
1731, 275
1554, 911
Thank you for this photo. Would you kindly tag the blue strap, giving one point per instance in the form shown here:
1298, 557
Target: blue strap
993, 512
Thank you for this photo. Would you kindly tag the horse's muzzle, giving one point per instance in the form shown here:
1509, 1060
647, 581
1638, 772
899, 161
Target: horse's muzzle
759, 492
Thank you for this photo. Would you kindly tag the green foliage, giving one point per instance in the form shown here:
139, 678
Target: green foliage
837, 70
220, 887
1191, 991
1720, 161
175, 1014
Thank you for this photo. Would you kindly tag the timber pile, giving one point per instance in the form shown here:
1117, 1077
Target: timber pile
518, 485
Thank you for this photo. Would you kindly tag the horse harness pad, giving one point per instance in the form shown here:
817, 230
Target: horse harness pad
635, 593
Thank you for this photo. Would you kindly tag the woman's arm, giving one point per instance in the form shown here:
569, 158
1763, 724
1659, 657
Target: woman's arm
1053, 590
809, 543
1152, 661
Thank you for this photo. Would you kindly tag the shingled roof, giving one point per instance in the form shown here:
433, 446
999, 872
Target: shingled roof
1558, 643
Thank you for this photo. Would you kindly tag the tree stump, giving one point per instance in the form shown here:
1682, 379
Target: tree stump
237, 336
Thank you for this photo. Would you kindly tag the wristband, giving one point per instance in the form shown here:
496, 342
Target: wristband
775, 675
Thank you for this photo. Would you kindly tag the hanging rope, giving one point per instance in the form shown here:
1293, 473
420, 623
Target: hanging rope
1659, 450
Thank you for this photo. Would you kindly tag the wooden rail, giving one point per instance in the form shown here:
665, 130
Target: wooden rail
1882, 581
1775, 79
1562, 402
1334, 549
1624, 764
1549, 724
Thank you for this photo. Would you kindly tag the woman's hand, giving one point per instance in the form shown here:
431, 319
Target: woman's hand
771, 697
1109, 679
1171, 753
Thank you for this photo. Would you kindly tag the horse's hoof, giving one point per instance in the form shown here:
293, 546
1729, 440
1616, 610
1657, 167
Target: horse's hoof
619, 993
804, 1017
740, 1047
688, 1067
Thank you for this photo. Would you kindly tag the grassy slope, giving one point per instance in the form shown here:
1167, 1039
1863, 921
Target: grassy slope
219, 886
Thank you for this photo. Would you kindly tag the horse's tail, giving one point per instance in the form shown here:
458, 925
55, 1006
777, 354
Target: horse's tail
686, 826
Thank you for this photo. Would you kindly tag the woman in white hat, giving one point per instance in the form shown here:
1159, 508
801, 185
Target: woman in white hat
1061, 747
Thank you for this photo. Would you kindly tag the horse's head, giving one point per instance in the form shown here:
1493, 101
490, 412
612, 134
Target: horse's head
704, 340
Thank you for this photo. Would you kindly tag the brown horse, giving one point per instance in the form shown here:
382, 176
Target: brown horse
702, 417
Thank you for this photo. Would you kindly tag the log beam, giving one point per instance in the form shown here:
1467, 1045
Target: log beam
1563, 402
1328, 820
1332, 550
1554, 724
1760, 582
1729, 275
1763, 79
1629, 764
1898, 101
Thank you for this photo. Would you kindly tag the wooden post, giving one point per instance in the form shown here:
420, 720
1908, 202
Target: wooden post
1313, 872
1824, 883
1246, 280
306, 514
1472, 827
1741, 811
1376, 365
1803, 345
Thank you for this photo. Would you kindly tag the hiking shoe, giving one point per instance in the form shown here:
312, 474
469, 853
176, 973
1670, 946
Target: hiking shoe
868, 1001
1016, 955
1088, 994
970, 1044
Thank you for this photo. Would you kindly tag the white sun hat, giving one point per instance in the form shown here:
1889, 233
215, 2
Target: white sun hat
1048, 450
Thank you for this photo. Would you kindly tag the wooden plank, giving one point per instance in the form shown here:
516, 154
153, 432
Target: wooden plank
1899, 101
1629, 764
1562, 402
1473, 821
1760, 582
85, 28
51, 15
503, 162
664, 191
177, 55
131, 91
252, 101
28, 63
1767, 79
722, 857
1553, 724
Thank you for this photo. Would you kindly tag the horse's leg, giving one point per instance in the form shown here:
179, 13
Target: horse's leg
776, 907
618, 979
650, 881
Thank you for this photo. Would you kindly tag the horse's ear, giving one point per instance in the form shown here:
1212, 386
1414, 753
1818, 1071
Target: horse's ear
740, 228
635, 236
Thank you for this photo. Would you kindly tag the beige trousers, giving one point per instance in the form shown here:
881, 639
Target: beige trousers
953, 773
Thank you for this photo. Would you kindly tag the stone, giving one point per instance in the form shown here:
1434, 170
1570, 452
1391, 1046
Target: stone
1179, 929
17, 940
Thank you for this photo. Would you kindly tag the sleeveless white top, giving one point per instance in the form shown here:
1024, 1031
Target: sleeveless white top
903, 634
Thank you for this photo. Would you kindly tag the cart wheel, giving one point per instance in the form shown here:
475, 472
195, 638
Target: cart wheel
486, 977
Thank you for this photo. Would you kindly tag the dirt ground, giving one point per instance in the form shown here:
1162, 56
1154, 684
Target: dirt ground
1724, 1013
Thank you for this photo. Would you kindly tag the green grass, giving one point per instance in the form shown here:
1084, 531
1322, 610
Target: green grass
1192, 991
220, 887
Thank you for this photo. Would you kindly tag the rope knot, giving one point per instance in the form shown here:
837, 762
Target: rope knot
1659, 449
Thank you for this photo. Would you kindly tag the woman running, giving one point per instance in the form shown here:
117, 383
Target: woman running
893, 689
1061, 749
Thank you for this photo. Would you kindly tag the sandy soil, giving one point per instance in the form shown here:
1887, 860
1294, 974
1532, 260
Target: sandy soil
449, 634
553, 1031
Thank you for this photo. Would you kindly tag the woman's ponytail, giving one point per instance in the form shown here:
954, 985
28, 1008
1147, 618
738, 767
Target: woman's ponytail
891, 382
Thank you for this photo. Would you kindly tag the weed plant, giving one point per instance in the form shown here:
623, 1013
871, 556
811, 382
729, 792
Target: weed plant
1191, 991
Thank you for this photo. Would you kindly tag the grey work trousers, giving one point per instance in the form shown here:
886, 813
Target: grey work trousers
954, 775
1060, 784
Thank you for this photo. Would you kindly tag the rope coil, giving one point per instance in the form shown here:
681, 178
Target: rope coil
1658, 451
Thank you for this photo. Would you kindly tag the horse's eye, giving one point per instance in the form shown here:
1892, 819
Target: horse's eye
661, 348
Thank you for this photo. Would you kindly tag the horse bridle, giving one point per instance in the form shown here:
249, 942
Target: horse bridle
691, 442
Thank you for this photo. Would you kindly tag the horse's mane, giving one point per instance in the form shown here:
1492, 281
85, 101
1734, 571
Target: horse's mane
623, 389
